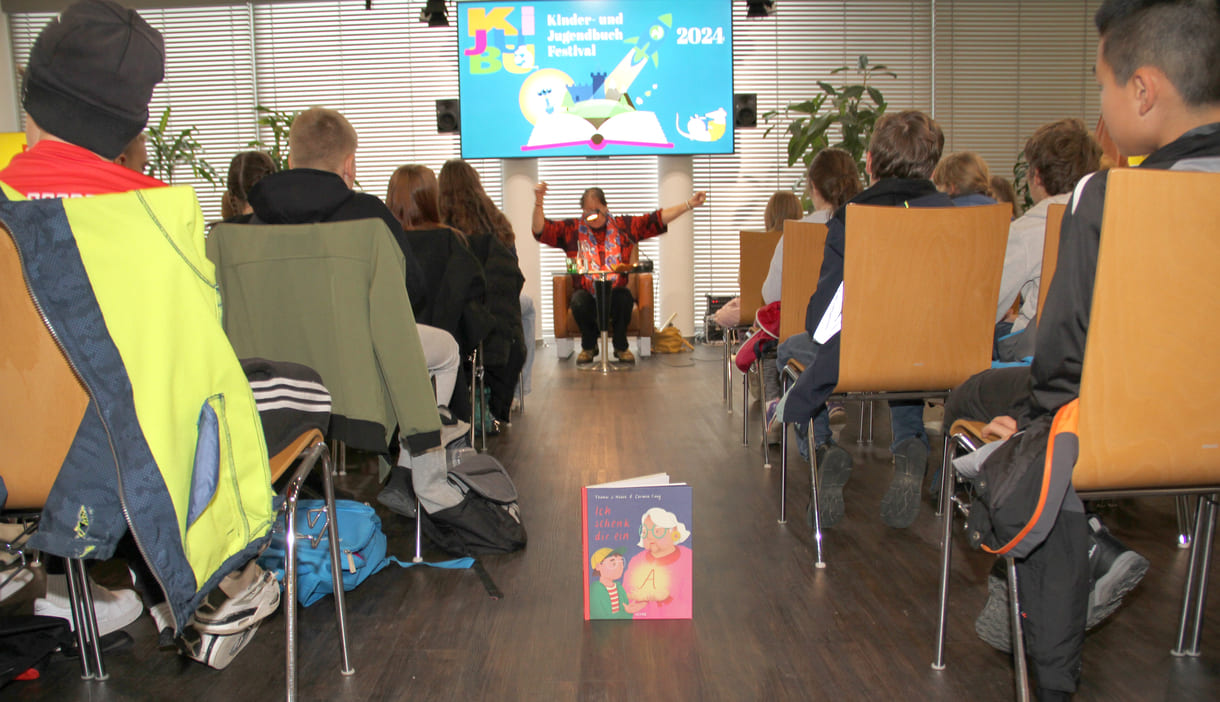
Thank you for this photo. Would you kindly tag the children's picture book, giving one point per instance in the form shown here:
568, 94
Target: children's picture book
637, 549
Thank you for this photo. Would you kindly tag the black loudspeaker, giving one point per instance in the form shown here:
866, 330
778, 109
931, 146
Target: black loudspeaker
448, 117
745, 110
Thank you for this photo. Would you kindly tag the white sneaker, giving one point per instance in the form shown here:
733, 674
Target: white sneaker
219, 651
115, 609
18, 581
222, 615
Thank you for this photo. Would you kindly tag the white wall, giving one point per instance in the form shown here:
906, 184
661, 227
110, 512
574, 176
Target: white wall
10, 112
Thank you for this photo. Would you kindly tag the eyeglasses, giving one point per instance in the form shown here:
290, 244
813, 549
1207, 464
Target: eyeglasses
656, 531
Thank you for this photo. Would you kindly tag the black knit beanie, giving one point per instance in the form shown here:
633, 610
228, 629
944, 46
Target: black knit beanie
91, 74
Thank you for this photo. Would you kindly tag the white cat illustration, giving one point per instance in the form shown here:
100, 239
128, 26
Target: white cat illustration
706, 127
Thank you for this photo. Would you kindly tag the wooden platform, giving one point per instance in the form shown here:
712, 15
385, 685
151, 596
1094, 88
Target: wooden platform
767, 625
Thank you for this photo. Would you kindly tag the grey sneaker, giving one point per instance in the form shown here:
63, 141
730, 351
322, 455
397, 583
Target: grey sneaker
1114, 570
834, 469
994, 625
900, 506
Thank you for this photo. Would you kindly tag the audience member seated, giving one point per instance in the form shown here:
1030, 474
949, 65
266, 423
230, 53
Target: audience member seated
90, 77
465, 206
831, 180
245, 170
317, 187
1158, 65
904, 149
1059, 154
599, 242
456, 288
964, 177
1003, 191
135, 156
783, 205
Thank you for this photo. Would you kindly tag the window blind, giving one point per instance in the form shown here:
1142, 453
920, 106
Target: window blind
1004, 68
780, 60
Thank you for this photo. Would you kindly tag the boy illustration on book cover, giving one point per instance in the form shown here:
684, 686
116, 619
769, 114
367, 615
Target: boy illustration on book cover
607, 599
659, 577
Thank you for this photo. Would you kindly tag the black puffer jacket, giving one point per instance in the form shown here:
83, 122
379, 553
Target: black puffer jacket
504, 283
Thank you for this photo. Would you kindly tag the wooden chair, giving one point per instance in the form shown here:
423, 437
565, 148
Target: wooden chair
38, 432
804, 244
928, 277
1144, 347
754, 262
1050, 250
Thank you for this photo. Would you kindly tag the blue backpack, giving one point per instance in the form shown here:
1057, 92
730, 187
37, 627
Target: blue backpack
361, 542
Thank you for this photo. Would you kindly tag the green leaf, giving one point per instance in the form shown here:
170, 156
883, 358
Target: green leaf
877, 97
827, 88
862, 62
853, 92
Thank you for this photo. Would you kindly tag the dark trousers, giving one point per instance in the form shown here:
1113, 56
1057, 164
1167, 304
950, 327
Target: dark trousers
1053, 581
584, 309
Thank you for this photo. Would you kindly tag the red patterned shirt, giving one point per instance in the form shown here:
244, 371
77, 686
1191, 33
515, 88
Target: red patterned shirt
601, 250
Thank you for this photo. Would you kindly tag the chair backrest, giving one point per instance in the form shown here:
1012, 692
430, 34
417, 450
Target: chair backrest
1050, 250
41, 401
804, 243
1151, 373
919, 294
756, 249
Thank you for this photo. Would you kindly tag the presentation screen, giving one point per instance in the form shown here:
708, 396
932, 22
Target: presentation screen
595, 78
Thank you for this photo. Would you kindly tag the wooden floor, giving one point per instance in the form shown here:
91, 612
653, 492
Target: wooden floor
767, 625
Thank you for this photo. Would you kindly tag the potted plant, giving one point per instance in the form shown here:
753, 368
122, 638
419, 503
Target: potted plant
279, 123
167, 151
854, 108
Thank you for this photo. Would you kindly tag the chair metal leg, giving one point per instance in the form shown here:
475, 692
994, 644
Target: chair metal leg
745, 408
786, 382
486, 405
729, 339
88, 639
1184, 620
783, 477
419, 534
762, 416
338, 456
947, 478
474, 388
1195, 596
1021, 671
1182, 504
336, 570
724, 368
1204, 566
865, 438
316, 454
813, 496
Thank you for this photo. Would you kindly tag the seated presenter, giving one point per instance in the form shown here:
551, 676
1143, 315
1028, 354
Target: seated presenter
600, 243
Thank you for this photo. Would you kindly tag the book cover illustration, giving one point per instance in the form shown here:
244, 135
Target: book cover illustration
637, 549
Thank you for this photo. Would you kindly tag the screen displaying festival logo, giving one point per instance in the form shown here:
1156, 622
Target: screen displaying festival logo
579, 78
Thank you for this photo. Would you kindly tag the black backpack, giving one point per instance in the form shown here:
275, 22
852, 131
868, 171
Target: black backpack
487, 520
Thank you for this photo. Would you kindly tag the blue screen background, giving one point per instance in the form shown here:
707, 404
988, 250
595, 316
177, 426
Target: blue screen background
546, 78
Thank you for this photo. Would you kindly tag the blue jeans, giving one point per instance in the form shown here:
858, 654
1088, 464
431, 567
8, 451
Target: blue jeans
802, 349
906, 416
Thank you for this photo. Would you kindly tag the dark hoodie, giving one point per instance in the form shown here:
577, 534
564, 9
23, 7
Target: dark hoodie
307, 195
